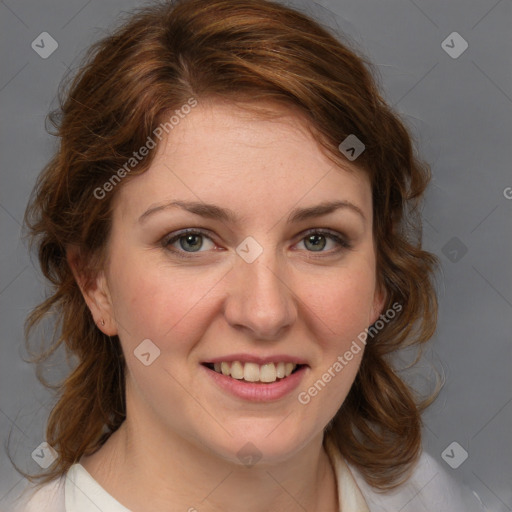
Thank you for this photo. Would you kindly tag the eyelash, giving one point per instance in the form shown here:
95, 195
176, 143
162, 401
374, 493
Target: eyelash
166, 242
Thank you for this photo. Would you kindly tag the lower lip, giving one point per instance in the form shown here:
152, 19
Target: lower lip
258, 392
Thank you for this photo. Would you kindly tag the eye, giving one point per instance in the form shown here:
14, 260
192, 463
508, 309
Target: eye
318, 240
188, 241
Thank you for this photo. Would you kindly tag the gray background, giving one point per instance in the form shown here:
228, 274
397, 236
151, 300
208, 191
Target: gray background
460, 112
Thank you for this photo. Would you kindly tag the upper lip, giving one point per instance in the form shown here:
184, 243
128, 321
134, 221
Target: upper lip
260, 360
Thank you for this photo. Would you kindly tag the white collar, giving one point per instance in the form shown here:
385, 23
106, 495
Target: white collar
83, 493
350, 497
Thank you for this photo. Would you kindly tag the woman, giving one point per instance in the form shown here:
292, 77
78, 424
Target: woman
227, 227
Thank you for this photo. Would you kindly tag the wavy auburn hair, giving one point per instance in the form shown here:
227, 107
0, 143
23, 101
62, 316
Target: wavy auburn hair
247, 52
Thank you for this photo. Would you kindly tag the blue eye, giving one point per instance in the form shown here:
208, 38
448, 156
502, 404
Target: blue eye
318, 240
192, 242
188, 241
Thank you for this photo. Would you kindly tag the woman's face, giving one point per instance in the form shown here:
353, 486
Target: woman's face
278, 267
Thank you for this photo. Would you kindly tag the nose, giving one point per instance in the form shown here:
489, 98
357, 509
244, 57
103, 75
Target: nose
259, 300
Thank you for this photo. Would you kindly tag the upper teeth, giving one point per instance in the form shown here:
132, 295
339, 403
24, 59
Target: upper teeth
253, 372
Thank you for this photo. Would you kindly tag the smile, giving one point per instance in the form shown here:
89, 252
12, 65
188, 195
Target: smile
253, 372
255, 382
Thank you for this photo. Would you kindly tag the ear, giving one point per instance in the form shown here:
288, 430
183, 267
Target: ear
95, 292
379, 299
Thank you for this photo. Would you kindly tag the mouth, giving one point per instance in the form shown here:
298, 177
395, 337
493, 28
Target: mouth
254, 373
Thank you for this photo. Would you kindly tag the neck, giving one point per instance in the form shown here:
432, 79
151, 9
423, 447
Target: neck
165, 472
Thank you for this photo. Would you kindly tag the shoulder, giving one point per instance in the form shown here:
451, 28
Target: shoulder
48, 497
428, 488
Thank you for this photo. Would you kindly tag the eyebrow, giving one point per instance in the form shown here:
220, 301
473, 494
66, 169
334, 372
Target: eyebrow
206, 210
212, 211
300, 214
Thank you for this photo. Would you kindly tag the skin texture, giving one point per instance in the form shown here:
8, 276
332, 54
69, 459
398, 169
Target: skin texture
178, 447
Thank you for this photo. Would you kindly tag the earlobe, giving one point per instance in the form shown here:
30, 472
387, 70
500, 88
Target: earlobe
379, 300
99, 301
95, 292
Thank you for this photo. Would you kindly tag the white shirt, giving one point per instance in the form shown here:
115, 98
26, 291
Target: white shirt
429, 489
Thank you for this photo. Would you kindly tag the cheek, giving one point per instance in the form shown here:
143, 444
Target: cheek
341, 303
340, 310
159, 301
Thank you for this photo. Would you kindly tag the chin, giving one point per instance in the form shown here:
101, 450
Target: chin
260, 445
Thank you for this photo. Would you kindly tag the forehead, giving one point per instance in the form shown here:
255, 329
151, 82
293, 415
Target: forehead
222, 153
